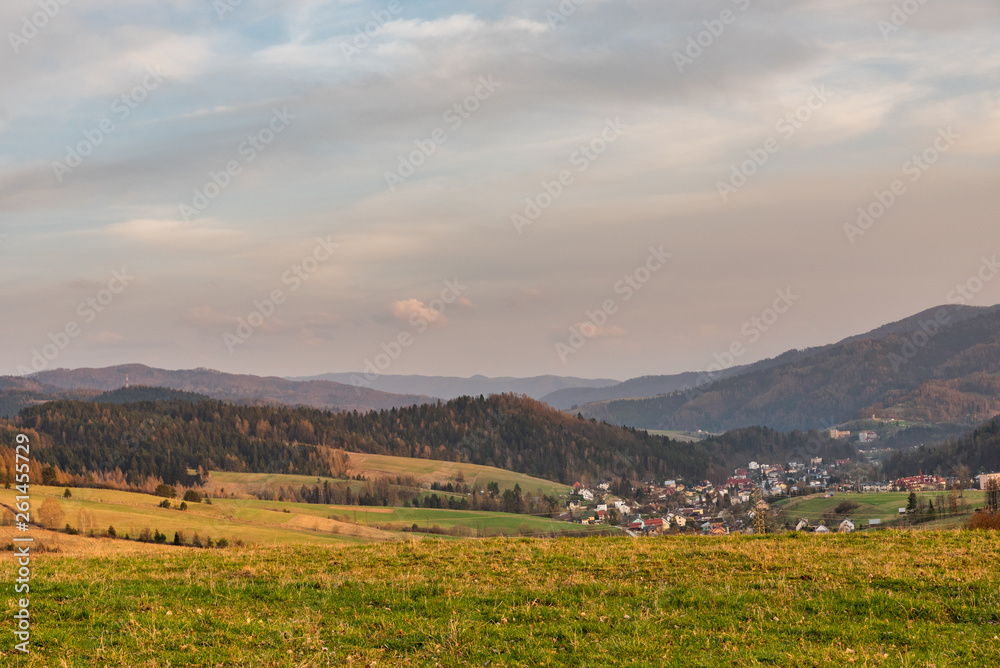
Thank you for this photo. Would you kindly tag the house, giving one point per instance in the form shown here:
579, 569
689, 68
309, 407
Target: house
837, 434
867, 436
602, 506
821, 529
802, 524
587, 495
654, 526
847, 526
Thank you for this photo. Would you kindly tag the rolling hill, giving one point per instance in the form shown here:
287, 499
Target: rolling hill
450, 387
940, 366
238, 388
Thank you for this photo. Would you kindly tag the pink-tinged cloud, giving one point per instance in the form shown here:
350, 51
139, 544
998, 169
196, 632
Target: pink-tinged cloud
414, 308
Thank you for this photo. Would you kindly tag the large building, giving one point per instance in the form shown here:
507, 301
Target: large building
921, 483
985, 478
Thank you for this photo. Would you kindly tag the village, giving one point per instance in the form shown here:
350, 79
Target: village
671, 507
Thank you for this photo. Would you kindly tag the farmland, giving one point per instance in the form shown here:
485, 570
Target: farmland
886, 599
423, 471
272, 522
877, 505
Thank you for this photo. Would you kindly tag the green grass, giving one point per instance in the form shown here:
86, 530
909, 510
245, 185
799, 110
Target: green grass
426, 471
276, 522
888, 599
881, 505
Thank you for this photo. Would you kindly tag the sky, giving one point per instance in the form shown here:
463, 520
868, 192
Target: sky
593, 188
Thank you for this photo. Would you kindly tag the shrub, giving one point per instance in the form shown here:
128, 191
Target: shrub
184, 505
192, 496
166, 491
160, 537
67, 494
986, 521
146, 535
70, 530
165, 503
111, 532
222, 542
846, 507
196, 540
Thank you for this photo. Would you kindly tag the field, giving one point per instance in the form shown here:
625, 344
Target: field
687, 436
272, 522
425, 471
886, 599
880, 505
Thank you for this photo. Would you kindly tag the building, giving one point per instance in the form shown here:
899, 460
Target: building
837, 434
867, 436
921, 483
985, 478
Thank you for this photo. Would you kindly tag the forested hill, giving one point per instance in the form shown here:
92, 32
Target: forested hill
165, 439
937, 373
979, 450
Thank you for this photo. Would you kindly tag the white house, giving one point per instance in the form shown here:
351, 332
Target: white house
847, 526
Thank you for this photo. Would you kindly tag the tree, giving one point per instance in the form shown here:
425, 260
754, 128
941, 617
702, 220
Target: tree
165, 490
67, 494
192, 496
50, 514
911, 502
963, 475
48, 475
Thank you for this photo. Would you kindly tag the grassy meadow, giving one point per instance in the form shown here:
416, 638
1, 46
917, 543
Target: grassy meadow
273, 522
877, 505
878, 599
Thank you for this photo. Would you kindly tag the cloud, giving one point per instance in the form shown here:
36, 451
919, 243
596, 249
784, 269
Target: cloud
414, 308
171, 233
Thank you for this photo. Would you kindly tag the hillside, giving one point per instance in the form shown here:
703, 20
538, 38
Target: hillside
238, 388
879, 599
132, 443
979, 450
449, 387
651, 386
952, 376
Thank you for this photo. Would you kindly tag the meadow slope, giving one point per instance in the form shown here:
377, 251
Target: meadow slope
887, 599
